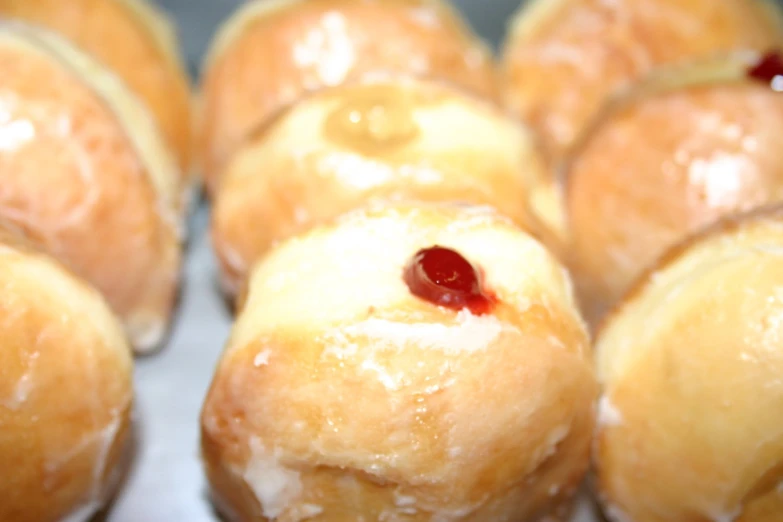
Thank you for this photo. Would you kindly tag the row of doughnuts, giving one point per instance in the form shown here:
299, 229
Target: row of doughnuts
95, 183
405, 348
403, 352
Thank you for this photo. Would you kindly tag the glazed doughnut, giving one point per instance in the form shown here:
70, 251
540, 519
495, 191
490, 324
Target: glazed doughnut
342, 147
689, 145
691, 364
65, 391
404, 363
84, 172
271, 52
563, 58
136, 41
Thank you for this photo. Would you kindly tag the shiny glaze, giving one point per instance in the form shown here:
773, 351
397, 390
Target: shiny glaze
562, 66
663, 168
280, 56
377, 120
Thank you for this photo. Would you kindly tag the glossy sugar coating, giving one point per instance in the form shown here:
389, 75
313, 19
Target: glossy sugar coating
663, 166
65, 391
81, 171
133, 39
691, 365
269, 54
565, 58
394, 140
343, 396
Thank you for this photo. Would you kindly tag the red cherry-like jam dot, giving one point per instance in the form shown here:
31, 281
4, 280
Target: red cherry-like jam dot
768, 68
445, 278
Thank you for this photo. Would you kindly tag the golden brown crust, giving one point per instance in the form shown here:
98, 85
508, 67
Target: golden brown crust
726, 226
337, 150
691, 364
81, 190
282, 53
118, 35
65, 390
659, 167
377, 404
561, 64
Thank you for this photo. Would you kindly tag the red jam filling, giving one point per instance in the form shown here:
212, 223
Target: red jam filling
769, 67
445, 278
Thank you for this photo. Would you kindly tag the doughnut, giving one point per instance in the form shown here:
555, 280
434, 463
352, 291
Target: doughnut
403, 363
271, 52
85, 174
691, 367
687, 146
135, 40
342, 147
65, 390
564, 58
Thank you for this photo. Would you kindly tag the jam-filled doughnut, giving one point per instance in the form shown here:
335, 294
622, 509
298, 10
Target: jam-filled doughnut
65, 390
691, 364
136, 41
564, 58
84, 172
271, 52
393, 139
685, 147
407, 362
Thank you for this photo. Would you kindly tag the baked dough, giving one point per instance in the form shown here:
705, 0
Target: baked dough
82, 172
564, 58
394, 139
271, 52
691, 364
65, 390
136, 41
683, 148
343, 396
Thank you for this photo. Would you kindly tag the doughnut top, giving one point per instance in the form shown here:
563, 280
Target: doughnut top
337, 375
358, 267
136, 120
426, 12
704, 268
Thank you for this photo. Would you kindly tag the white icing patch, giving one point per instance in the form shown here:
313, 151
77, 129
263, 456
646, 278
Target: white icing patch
470, 334
274, 485
616, 514
425, 17
727, 517
14, 134
104, 439
554, 489
455, 452
389, 381
262, 359
404, 500
608, 414
328, 49
83, 514
308, 511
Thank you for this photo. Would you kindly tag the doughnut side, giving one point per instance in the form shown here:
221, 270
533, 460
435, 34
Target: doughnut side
74, 181
374, 403
412, 140
65, 391
690, 366
325, 44
563, 59
136, 41
671, 159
